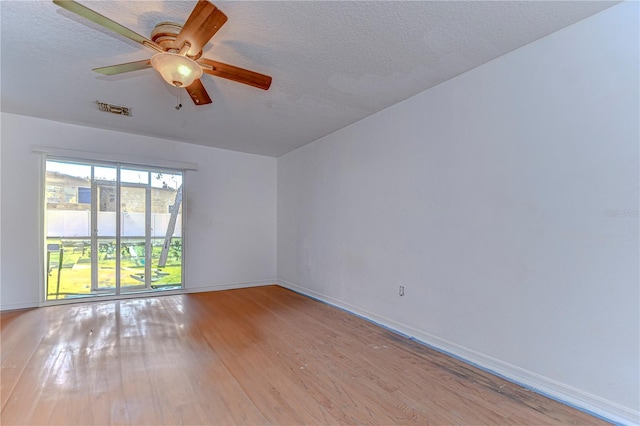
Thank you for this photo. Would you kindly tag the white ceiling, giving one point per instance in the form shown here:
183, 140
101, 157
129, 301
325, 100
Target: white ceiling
332, 63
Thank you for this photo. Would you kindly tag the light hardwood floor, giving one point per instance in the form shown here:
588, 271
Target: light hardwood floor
260, 355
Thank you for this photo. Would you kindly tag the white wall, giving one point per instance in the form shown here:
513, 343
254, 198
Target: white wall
505, 201
230, 206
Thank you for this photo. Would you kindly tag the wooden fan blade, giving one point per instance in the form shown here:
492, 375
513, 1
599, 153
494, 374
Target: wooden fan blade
122, 68
198, 93
99, 19
205, 20
230, 72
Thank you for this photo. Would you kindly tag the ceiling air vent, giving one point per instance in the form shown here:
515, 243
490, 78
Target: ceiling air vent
115, 109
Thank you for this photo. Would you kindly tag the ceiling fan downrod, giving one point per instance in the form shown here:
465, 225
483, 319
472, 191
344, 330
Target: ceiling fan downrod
179, 103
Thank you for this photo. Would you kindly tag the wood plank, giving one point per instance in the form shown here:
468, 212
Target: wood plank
261, 355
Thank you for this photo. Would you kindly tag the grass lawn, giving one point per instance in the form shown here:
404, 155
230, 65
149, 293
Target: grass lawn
75, 274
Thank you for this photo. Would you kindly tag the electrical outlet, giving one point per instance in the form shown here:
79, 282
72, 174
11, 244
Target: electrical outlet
401, 290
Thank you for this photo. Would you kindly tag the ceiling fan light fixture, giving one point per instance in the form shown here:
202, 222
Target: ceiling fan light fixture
177, 70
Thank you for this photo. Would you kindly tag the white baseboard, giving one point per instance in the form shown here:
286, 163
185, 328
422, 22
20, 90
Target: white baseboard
14, 306
230, 286
561, 392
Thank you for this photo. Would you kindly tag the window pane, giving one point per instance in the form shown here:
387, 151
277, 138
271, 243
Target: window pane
166, 207
107, 174
166, 180
82, 171
134, 176
68, 229
105, 187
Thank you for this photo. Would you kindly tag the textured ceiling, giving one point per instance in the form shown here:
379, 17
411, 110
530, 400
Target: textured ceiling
332, 63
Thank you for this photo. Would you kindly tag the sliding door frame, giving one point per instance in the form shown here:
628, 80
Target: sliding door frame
94, 237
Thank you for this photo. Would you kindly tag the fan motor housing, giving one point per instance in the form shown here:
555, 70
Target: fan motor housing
165, 34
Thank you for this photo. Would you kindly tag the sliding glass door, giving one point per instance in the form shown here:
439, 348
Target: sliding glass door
111, 229
103, 190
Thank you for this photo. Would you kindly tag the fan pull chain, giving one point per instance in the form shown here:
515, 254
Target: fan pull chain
178, 100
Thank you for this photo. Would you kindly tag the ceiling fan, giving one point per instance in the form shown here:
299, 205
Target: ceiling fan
178, 50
